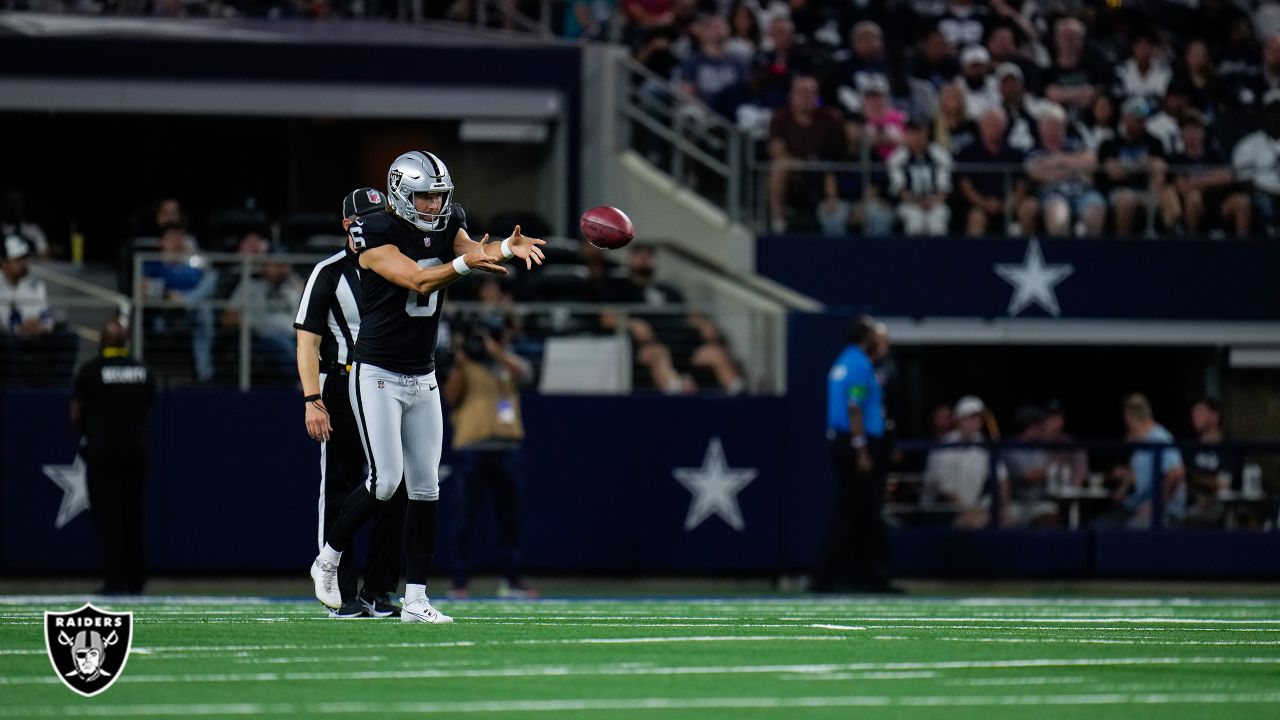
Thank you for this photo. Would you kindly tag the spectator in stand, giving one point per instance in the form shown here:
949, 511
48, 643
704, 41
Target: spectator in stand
920, 181
272, 302
1029, 474
589, 19
775, 68
1062, 170
182, 276
992, 195
1204, 191
1209, 472
744, 32
1145, 74
935, 62
976, 81
1072, 465
953, 129
711, 75
1256, 160
960, 476
168, 212
1133, 167
1199, 77
864, 57
1002, 46
14, 221
647, 17
1073, 79
1099, 124
878, 125
963, 23
1163, 125
941, 421
1246, 82
804, 131
1020, 109
24, 299
1135, 483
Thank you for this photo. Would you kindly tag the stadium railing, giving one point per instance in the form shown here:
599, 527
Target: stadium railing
246, 349
858, 175
694, 144
1247, 486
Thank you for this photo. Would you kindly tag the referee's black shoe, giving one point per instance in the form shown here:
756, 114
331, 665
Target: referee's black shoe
378, 605
350, 610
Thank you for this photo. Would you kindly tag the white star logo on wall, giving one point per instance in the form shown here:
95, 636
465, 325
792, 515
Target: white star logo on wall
75, 489
714, 488
1033, 281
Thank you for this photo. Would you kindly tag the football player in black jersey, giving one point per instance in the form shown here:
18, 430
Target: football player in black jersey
408, 254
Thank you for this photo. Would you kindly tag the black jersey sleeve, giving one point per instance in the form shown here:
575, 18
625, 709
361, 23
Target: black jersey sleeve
457, 221
313, 310
371, 231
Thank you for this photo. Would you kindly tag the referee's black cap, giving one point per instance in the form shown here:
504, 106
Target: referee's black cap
362, 202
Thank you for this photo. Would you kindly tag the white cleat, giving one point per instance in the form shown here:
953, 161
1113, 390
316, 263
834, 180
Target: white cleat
325, 576
421, 611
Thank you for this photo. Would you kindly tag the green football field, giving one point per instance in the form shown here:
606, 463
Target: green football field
781, 657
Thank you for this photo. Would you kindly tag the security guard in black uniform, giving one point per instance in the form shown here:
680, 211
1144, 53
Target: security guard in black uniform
328, 323
111, 399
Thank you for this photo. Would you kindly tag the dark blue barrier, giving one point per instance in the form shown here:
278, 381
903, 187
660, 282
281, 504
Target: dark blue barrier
234, 485
960, 277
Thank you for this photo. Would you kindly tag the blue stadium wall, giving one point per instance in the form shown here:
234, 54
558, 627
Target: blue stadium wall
234, 482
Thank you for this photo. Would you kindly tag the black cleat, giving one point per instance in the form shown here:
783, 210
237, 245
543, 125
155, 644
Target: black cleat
350, 610
378, 605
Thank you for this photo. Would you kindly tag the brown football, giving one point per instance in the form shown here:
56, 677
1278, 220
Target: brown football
608, 228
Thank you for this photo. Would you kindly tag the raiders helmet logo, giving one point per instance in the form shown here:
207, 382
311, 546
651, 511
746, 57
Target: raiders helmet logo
395, 176
88, 647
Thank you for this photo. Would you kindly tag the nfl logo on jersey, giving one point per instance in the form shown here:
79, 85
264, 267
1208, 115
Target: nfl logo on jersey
426, 241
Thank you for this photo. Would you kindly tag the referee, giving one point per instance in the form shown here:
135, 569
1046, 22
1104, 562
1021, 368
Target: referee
328, 323
857, 552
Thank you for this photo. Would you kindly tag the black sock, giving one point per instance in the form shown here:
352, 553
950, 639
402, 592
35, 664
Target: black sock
420, 521
356, 509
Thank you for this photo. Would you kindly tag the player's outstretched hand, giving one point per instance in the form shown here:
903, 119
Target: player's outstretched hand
526, 248
478, 259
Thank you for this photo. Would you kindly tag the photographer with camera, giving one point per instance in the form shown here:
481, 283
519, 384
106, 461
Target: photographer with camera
484, 391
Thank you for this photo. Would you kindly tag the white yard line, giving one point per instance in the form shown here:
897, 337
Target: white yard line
640, 704
632, 670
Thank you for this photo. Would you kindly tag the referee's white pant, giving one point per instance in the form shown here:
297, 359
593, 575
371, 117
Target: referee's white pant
402, 428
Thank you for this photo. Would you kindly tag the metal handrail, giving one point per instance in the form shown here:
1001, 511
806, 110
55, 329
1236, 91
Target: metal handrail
101, 294
710, 125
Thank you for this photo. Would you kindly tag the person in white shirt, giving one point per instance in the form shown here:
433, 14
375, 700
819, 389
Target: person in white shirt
23, 299
1145, 74
1256, 161
981, 91
959, 476
920, 181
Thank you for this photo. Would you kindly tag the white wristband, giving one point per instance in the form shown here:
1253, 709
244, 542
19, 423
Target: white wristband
460, 265
507, 252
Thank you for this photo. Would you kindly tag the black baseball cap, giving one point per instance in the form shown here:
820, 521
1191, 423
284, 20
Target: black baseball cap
362, 202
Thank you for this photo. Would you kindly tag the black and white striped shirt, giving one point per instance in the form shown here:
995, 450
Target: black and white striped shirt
330, 308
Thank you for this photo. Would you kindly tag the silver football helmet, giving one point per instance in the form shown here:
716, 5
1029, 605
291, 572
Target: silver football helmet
417, 172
